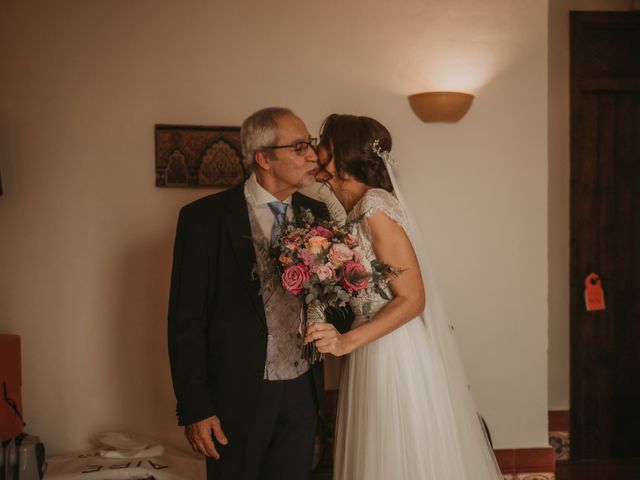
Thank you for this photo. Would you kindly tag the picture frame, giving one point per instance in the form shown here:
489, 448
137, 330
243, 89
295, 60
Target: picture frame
189, 156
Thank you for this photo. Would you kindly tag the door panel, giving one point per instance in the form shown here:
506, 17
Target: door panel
605, 233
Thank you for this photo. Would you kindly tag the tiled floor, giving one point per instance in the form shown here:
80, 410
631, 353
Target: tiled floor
592, 470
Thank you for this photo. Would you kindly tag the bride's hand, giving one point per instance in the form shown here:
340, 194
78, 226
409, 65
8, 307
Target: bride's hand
328, 339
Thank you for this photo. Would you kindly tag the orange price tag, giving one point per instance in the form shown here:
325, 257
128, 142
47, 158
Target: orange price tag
593, 293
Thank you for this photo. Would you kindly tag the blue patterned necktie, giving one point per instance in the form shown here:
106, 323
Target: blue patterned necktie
279, 209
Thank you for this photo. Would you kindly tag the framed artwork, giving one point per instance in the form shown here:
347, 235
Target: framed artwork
193, 156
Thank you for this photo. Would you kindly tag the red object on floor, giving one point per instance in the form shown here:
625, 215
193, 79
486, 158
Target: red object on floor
10, 382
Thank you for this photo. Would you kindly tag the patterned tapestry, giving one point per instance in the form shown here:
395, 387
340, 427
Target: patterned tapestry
188, 156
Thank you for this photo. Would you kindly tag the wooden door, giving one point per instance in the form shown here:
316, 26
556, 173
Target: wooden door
605, 233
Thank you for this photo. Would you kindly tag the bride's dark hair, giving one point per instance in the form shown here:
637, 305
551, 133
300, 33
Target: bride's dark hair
348, 139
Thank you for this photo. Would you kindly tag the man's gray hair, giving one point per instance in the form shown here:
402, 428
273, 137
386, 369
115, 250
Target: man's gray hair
259, 131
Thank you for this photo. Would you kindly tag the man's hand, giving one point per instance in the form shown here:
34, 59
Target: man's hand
199, 436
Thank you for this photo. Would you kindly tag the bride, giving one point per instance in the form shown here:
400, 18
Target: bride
404, 410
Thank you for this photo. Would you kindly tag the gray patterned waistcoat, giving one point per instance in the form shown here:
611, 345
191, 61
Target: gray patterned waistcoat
285, 359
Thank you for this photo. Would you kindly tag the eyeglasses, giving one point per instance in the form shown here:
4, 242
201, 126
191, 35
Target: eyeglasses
300, 147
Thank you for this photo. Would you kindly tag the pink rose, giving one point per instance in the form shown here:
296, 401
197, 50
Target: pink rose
355, 277
358, 254
294, 277
323, 232
339, 254
317, 244
307, 258
323, 271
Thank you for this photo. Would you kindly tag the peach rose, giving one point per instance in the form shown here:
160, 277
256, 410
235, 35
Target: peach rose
285, 260
317, 244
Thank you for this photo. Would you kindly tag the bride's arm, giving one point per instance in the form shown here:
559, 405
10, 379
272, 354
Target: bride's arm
392, 246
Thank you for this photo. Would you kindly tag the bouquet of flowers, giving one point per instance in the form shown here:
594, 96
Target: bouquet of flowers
321, 263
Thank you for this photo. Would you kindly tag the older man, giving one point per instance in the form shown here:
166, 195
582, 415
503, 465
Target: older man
246, 394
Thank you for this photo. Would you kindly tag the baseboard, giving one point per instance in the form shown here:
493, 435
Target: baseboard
560, 434
527, 463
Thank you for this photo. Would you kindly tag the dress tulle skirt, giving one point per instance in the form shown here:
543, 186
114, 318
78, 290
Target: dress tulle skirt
396, 418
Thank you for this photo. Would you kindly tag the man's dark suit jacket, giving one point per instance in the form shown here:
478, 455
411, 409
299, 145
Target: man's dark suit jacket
217, 325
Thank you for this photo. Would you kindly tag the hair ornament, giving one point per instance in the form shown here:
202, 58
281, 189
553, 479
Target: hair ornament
383, 154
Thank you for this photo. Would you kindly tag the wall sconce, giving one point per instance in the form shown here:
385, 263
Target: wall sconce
440, 106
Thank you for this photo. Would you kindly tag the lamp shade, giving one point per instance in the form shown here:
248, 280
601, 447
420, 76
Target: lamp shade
440, 106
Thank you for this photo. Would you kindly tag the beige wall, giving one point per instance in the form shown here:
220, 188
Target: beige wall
559, 168
86, 237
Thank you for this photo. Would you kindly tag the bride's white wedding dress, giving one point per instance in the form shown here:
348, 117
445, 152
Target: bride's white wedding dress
399, 417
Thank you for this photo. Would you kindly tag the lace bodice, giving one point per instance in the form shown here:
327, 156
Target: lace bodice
374, 200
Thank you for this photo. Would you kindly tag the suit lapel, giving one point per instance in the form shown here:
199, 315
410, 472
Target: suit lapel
242, 244
318, 209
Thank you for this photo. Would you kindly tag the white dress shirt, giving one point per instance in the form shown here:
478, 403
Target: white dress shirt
258, 201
